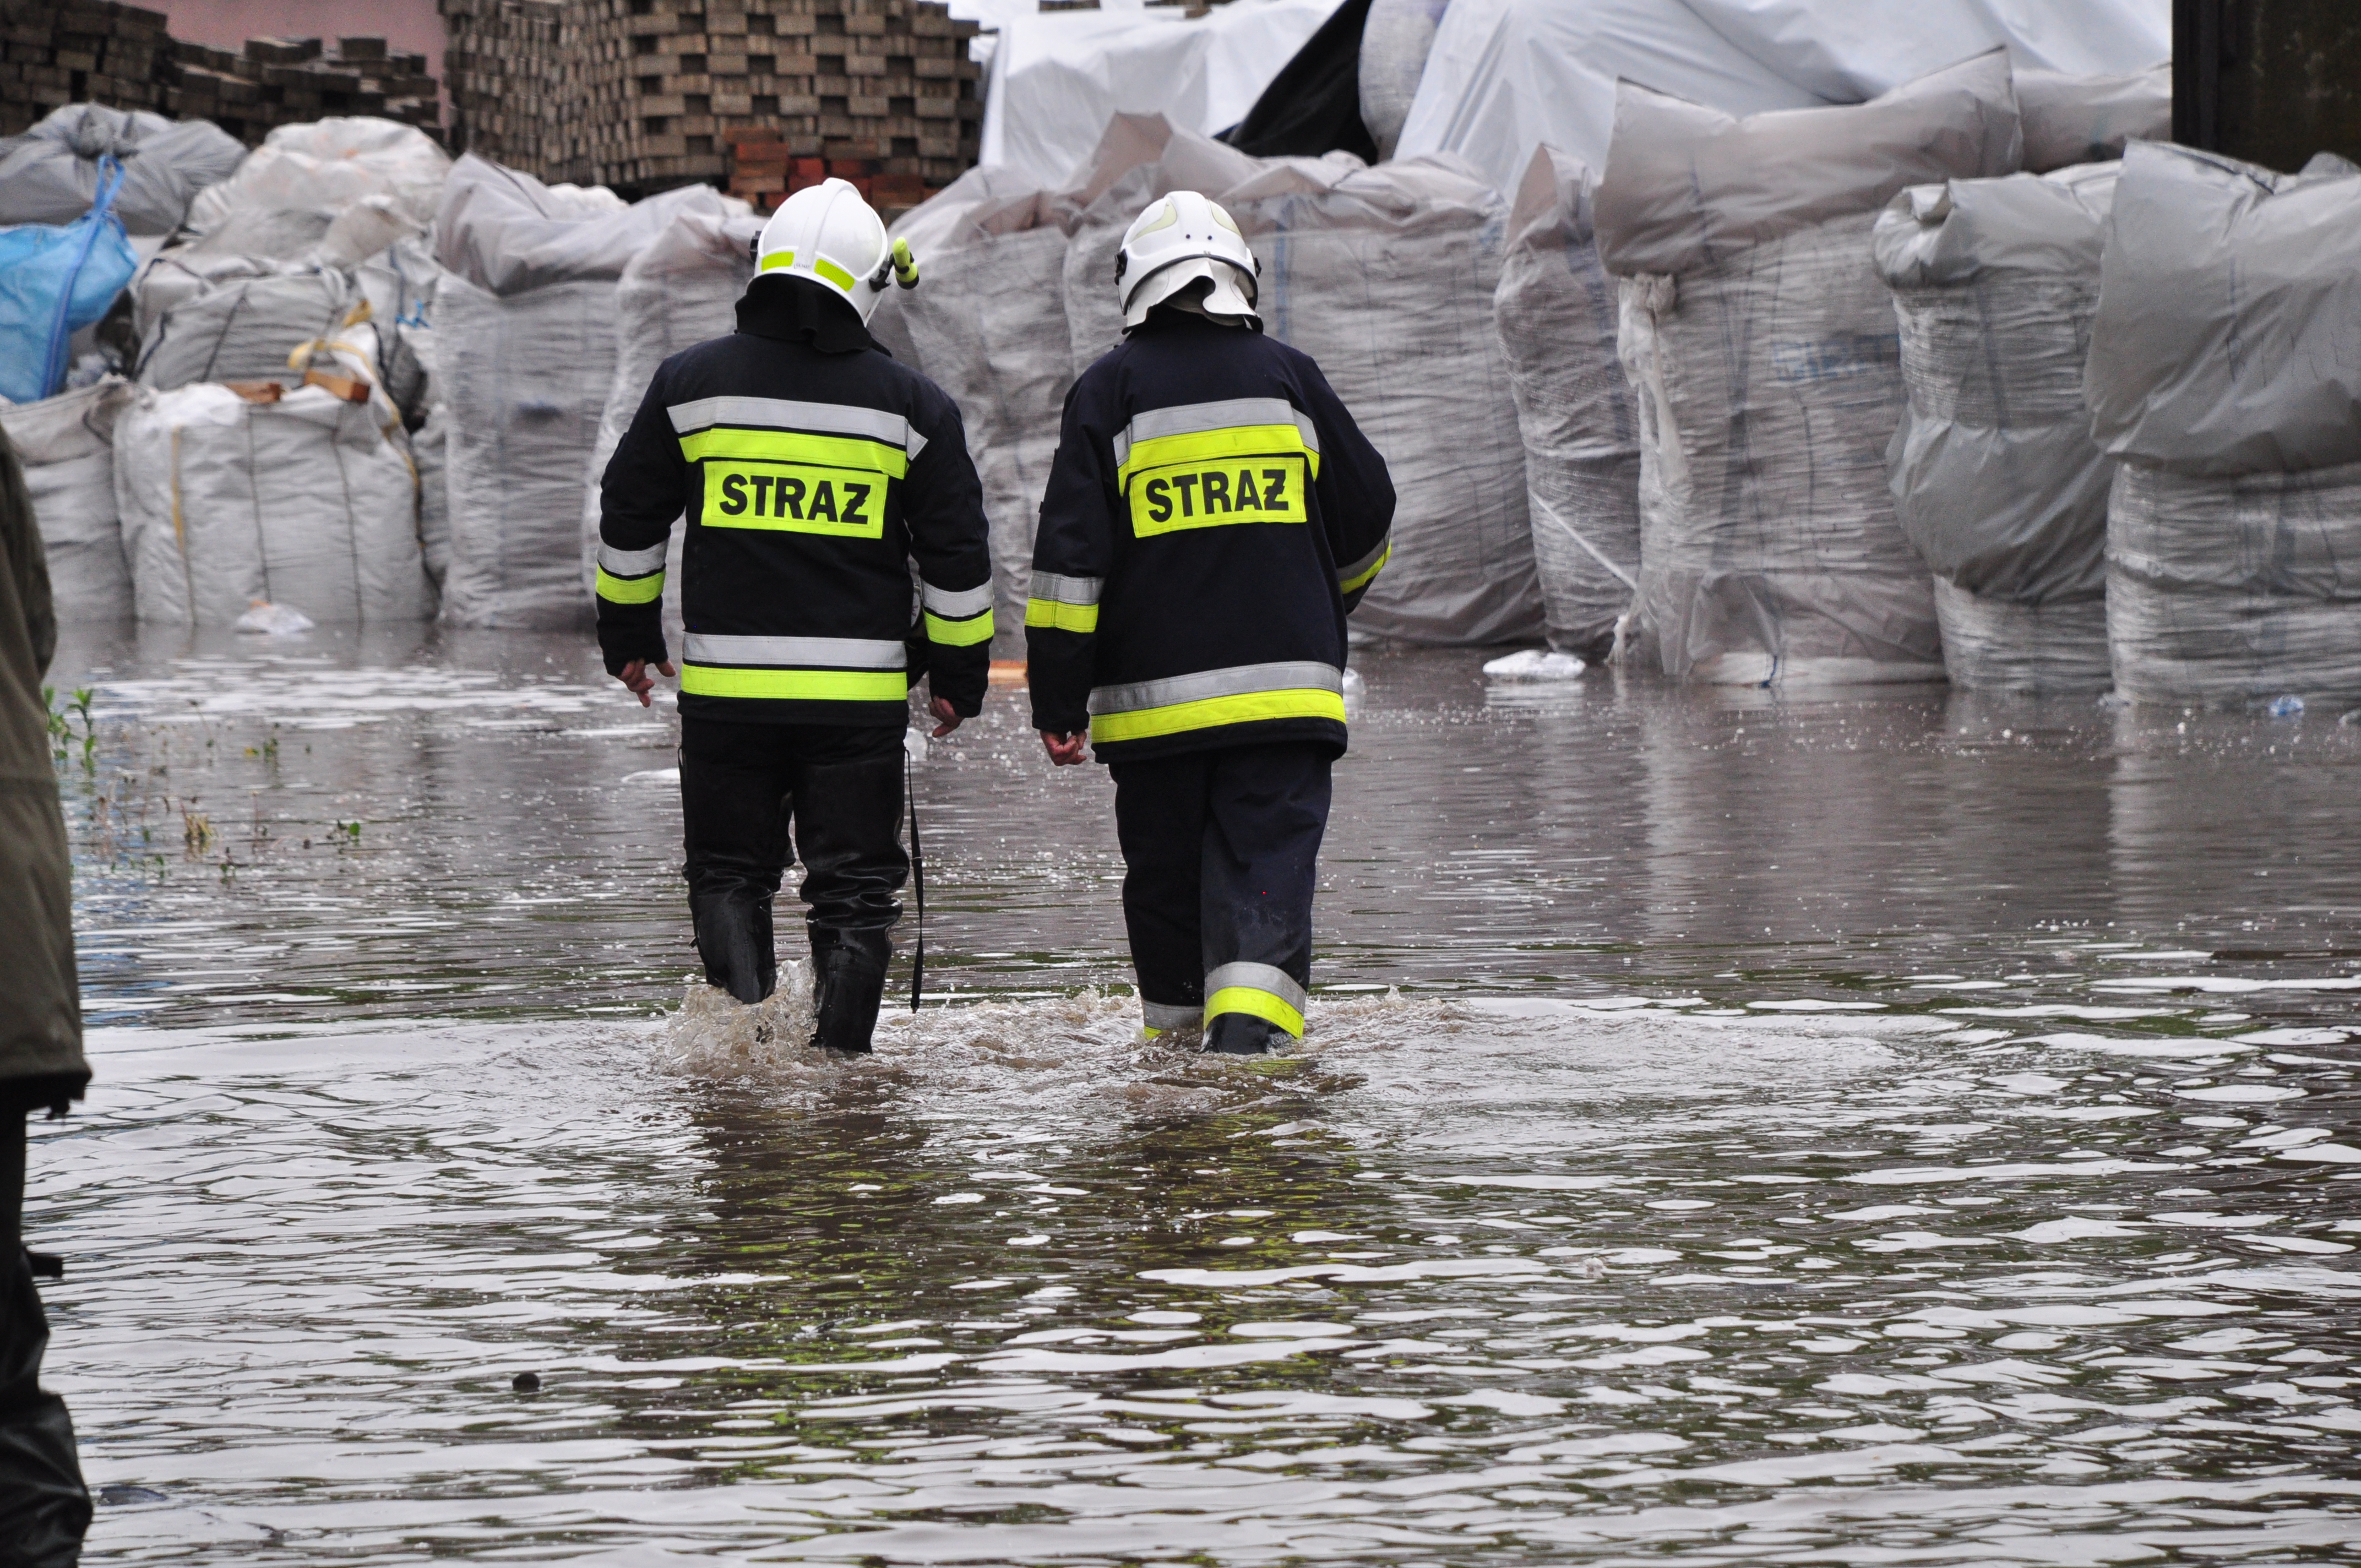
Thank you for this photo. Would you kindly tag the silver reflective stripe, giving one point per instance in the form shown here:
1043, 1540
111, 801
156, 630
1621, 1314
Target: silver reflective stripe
1346, 574
1257, 977
631, 562
824, 652
1060, 589
958, 604
1190, 417
1239, 680
786, 413
1159, 1015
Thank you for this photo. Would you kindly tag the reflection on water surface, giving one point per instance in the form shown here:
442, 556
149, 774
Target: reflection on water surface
1903, 1129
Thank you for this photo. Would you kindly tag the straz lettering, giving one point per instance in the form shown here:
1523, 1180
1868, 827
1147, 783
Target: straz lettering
1208, 494
794, 497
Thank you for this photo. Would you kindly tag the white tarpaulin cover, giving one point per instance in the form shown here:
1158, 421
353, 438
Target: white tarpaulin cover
1057, 76
1386, 277
338, 188
1557, 313
49, 175
678, 293
306, 503
67, 446
525, 340
1995, 477
1763, 347
2229, 332
1508, 76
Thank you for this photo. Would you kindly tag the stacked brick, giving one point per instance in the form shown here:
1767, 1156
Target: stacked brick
758, 94
79, 51
282, 82
94, 51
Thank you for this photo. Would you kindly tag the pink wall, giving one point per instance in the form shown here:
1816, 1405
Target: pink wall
413, 26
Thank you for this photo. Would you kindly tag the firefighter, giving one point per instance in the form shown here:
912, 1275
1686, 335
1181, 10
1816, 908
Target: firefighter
1211, 517
811, 468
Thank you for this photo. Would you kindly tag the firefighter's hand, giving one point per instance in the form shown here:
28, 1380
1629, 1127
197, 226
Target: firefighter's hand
942, 708
635, 676
1066, 750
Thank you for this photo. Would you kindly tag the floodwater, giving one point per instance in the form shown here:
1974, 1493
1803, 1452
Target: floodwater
1897, 1127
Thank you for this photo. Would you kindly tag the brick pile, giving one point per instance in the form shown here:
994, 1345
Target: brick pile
758, 96
95, 52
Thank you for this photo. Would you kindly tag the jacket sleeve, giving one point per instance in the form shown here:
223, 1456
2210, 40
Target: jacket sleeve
640, 497
942, 509
1357, 494
1072, 554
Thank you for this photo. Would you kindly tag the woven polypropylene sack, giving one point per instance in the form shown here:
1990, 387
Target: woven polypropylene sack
680, 291
304, 503
1769, 548
241, 323
50, 174
429, 449
988, 321
2229, 590
2040, 649
284, 199
66, 445
525, 378
1386, 277
1557, 312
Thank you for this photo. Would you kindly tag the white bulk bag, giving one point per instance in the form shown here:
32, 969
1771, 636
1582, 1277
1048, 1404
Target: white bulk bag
1557, 310
368, 181
49, 174
1996, 478
228, 318
307, 502
66, 446
1384, 276
1763, 348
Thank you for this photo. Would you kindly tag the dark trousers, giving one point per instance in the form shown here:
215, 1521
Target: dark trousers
1221, 852
44, 1508
753, 794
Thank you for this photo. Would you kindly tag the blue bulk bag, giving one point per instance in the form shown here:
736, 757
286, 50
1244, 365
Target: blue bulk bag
54, 282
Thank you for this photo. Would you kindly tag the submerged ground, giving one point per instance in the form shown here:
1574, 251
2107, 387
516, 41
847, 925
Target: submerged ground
1899, 1127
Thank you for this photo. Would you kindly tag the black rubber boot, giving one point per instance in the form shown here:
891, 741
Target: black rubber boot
847, 984
1244, 1035
734, 937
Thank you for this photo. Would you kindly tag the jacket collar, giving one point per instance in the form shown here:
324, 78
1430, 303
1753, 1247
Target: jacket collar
794, 309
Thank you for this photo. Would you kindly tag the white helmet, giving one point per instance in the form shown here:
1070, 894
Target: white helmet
827, 234
1185, 240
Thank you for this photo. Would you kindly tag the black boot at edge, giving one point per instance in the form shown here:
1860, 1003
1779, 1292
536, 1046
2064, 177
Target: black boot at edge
734, 937
848, 984
1244, 1035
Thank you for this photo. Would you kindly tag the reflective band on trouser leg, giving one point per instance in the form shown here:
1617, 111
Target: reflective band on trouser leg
629, 591
1161, 1016
1261, 990
958, 633
1365, 570
1301, 688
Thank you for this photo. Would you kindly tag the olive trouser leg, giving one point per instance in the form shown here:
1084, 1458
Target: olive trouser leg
44, 1506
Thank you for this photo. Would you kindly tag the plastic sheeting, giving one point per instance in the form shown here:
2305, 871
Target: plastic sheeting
49, 174
304, 503
67, 446
336, 190
1557, 312
2229, 332
1395, 42
1505, 77
682, 290
430, 454
2072, 119
2224, 590
1056, 77
1386, 277
989, 325
1763, 348
525, 330
1995, 477
1313, 105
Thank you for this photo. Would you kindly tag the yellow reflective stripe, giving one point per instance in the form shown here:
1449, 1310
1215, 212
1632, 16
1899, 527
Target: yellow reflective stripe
788, 446
1360, 580
1145, 723
1214, 446
777, 258
958, 633
1061, 616
629, 591
1261, 1003
795, 685
833, 273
